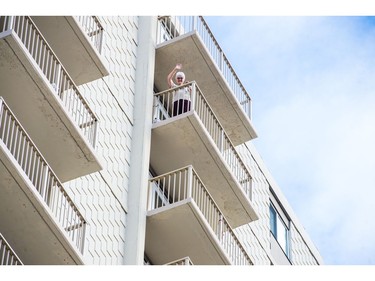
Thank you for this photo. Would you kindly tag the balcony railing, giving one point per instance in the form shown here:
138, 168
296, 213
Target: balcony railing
63, 86
184, 183
43, 179
94, 30
7, 255
164, 110
170, 27
183, 261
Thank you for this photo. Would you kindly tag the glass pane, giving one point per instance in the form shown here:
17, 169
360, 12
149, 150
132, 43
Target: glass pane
273, 219
282, 234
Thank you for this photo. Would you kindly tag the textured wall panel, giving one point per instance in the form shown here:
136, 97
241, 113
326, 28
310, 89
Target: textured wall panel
255, 236
301, 254
102, 196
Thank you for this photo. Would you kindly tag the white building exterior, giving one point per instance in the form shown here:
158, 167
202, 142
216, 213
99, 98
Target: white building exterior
96, 170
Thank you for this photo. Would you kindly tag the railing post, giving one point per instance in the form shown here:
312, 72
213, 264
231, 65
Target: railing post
222, 139
83, 237
158, 31
220, 222
56, 83
1, 108
149, 197
44, 188
100, 45
195, 20
190, 182
250, 110
95, 134
156, 111
10, 23
193, 95
221, 66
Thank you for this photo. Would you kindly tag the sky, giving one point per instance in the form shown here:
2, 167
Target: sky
312, 84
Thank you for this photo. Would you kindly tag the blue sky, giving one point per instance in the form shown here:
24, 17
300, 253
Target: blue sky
312, 81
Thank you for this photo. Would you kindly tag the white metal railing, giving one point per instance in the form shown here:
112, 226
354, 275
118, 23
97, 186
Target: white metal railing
43, 179
170, 27
93, 28
57, 76
183, 261
164, 109
7, 255
184, 183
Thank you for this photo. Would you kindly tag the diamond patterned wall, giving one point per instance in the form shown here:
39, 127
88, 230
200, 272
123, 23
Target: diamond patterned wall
102, 196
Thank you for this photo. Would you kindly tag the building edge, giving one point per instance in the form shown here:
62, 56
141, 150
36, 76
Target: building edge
141, 136
284, 202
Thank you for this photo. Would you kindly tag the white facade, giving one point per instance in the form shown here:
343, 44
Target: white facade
113, 200
104, 195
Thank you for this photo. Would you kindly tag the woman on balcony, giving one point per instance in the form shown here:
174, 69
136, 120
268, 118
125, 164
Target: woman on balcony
181, 97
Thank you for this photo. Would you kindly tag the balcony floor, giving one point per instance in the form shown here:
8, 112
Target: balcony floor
183, 141
26, 221
198, 65
68, 41
179, 230
35, 104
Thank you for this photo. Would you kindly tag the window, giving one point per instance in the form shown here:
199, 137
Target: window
279, 229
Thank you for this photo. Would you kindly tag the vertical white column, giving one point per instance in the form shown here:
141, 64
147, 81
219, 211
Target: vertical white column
141, 139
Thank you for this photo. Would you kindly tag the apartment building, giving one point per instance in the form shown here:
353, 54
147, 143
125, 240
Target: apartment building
97, 168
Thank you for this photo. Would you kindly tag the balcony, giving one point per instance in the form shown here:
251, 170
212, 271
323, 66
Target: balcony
47, 102
188, 40
197, 138
184, 220
77, 42
7, 255
38, 218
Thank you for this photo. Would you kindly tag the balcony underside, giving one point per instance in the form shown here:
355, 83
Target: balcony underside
180, 230
26, 221
76, 53
36, 105
183, 141
198, 65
